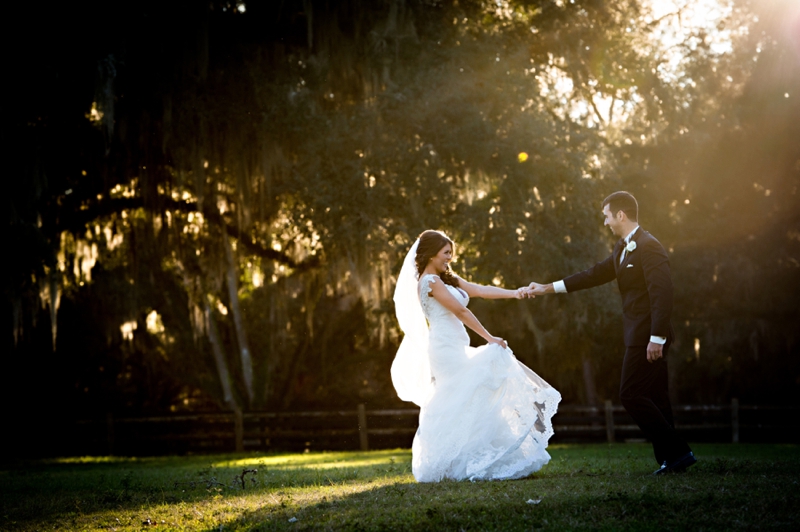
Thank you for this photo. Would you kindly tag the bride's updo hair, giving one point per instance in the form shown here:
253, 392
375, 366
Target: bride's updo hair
430, 243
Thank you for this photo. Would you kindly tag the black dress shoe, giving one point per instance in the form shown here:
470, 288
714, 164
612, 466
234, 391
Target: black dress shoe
678, 465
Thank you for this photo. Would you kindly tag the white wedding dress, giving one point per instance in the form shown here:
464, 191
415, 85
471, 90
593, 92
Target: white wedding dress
486, 416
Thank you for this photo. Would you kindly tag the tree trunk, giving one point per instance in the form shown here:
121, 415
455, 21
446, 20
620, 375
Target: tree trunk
241, 336
588, 381
224, 377
308, 9
219, 357
55, 301
287, 394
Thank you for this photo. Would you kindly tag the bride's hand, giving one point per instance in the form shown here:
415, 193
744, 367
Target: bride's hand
499, 341
522, 293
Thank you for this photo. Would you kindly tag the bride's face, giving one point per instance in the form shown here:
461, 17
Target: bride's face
442, 258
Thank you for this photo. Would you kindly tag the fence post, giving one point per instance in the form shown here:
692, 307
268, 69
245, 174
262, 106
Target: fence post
238, 429
609, 421
362, 428
734, 420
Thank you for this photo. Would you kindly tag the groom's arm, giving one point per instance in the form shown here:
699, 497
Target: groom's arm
655, 265
601, 273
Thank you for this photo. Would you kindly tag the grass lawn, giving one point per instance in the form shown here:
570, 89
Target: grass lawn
584, 487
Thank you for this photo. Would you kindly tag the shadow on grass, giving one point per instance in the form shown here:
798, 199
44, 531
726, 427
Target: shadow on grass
584, 486
581, 490
45, 490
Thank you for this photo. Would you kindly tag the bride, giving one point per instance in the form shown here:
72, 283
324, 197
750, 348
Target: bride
483, 414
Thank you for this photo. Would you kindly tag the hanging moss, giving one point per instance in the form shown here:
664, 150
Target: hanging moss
320, 138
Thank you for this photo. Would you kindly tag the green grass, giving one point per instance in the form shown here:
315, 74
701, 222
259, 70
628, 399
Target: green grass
604, 487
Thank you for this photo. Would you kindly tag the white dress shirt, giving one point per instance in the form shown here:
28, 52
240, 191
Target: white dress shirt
561, 288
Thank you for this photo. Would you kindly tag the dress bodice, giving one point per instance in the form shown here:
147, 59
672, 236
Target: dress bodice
443, 323
432, 308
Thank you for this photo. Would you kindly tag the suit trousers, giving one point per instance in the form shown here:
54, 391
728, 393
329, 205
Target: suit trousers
644, 394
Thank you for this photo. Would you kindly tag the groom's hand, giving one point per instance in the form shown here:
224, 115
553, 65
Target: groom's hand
536, 289
654, 351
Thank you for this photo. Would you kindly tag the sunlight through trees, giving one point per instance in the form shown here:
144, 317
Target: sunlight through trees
218, 199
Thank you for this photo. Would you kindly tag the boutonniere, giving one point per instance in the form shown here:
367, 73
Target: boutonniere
631, 246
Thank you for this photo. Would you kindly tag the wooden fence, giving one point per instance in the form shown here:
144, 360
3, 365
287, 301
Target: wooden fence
364, 429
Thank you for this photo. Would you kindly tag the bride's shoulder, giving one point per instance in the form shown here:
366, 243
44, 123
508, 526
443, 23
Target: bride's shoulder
425, 282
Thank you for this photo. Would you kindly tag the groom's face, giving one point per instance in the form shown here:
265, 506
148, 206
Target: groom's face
612, 221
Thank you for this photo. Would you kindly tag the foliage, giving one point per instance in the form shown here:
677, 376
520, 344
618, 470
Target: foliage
318, 138
583, 487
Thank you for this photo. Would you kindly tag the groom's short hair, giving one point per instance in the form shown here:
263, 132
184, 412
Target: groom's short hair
625, 202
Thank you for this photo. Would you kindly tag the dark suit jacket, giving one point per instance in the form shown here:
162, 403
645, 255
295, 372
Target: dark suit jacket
644, 283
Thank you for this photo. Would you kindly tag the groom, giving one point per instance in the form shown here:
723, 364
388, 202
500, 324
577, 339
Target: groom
640, 265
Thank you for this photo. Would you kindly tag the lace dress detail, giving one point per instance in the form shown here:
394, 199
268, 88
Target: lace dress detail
489, 415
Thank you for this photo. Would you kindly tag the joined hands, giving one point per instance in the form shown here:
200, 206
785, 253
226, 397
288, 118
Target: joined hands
521, 292
531, 291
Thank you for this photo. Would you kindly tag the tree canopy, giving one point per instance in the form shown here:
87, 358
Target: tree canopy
208, 201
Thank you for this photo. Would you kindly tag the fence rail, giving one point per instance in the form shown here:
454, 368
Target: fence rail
361, 428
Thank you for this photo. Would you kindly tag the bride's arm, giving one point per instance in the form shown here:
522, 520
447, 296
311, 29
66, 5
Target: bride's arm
448, 301
489, 292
